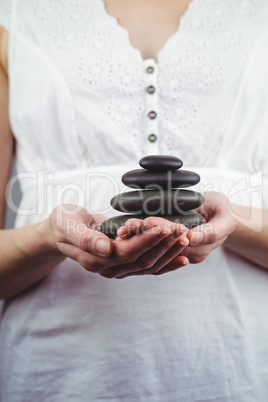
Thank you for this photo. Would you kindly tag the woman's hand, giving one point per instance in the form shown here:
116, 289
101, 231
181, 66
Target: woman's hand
155, 250
218, 225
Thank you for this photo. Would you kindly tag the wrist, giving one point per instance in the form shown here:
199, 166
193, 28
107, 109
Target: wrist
46, 240
35, 241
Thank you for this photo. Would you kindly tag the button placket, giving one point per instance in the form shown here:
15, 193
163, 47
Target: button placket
151, 94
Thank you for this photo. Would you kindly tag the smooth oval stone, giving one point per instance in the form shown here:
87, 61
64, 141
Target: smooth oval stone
111, 225
160, 163
165, 202
140, 178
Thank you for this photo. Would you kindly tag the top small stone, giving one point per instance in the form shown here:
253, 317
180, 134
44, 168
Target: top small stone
160, 163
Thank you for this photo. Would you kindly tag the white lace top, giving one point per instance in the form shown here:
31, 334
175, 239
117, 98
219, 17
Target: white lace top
82, 115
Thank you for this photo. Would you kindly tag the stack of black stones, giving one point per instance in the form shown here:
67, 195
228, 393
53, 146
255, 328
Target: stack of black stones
158, 193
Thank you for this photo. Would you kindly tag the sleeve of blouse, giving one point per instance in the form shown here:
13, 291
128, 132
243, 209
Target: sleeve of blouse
5, 13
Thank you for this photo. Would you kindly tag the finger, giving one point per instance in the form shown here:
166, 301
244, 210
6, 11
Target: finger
135, 226
197, 254
131, 249
88, 240
90, 262
131, 227
124, 252
172, 253
175, 264
75, 225
152, 221
216, 229
159, 256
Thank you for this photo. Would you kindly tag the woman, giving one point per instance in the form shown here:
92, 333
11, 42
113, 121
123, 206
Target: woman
81, 116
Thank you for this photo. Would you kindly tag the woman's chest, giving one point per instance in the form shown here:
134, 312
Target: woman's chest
148, 23
77, 58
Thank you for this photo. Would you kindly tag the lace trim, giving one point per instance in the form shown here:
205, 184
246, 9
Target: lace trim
192, 66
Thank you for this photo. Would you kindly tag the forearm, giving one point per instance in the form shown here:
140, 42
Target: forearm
250, 237
27, 255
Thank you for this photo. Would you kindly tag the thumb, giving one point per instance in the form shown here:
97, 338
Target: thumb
216, 229
89, 240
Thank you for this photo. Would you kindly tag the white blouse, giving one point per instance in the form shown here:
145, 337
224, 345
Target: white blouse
82, 115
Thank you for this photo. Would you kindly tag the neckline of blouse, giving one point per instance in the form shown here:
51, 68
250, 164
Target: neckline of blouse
135, 50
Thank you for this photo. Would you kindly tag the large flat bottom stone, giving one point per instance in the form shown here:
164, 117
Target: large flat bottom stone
111, 225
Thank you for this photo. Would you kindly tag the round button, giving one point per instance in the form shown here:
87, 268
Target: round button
152, 137
150, 70
152, 115
150, 89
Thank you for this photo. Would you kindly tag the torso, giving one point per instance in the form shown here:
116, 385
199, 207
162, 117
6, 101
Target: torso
150, 23
79, 114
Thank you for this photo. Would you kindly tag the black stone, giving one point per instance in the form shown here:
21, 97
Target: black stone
165, 202
140, 178
160, 163
110, 226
